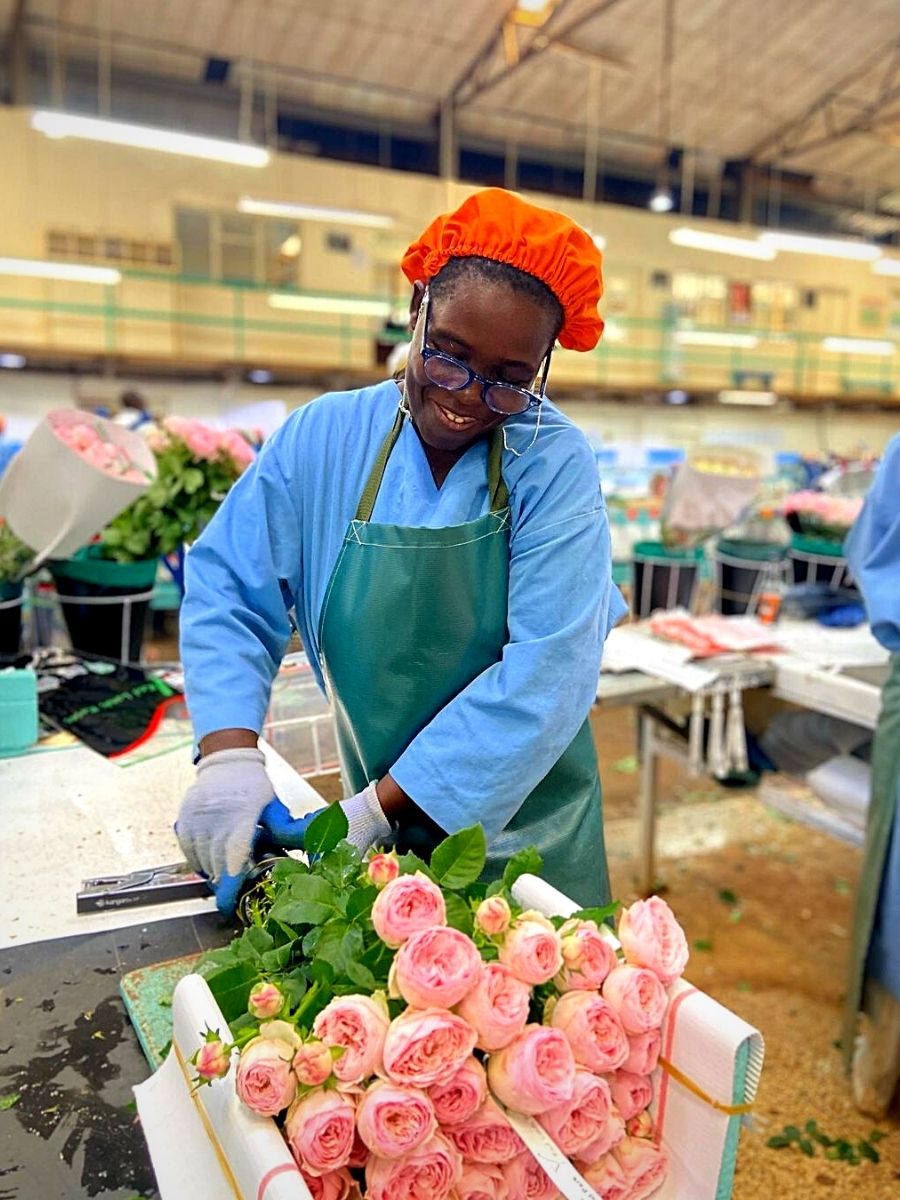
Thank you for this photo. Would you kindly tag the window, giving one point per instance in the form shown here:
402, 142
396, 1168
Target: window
76, 245
237, 248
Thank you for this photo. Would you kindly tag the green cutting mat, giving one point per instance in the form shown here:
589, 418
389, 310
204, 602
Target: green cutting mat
147, 994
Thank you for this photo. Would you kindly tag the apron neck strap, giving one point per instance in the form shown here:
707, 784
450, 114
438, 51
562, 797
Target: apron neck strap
497, 489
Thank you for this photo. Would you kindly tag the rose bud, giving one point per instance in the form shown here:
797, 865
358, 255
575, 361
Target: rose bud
266, 1000
493, 915
383, 869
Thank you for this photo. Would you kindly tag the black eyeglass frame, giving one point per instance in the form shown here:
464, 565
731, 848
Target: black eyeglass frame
531, 399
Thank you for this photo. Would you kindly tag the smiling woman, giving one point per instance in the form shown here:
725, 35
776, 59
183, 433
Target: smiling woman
445, 548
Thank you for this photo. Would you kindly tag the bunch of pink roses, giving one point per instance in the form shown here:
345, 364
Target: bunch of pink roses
419, 1090
89, 440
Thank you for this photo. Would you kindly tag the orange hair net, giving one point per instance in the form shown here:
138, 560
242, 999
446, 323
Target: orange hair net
497, 224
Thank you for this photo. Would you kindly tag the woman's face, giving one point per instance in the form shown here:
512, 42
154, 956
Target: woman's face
496, 331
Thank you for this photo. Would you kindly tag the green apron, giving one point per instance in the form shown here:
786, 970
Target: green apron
885, 776
393, 658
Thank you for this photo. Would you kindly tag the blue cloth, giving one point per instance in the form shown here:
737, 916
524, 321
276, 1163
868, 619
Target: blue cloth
873, 549
273, 545
883, 961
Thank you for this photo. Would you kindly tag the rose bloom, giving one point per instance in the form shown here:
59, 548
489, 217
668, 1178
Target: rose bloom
607, 1178
312, 1063
587, 957
424, 1047
609, 1136
233, 442
487, 1137
493, 915
336, 1185
637, 996
284, 1031
631, 1093
644, 1164
640, 1126
266, 1000
406, 905
212, 1060
496, 1007
428, 1173
359, 1155
383, 869
360, 1025
593, 1029
393, 1120
436, 968
319, 1130
526, 1179
531, 949
264, 1079
573, 1125
652, 938
535, 1072
462, 1096
481, 1181
643, 1053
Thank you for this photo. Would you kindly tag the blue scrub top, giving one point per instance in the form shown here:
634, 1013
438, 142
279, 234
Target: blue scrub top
873, 549
274, 542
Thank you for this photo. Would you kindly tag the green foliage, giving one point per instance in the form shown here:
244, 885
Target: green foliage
326, 830
460, 858
14, 554
523, 862
835, 1149
9, 1100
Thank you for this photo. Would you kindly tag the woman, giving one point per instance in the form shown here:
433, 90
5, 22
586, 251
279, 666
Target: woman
444, 547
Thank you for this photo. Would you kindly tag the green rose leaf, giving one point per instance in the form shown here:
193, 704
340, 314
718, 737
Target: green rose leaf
310, 901
523, 862
459, 914
411, 863
284, 868
598, 915
326, 830
360, 902
361, 976
868, 1151
460, 858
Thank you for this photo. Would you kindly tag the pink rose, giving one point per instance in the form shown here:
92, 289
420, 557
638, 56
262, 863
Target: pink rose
266, 1000
652, 938
406, 905
383, 869
609, 1136
428, 1173
435, 968
486, 1137
574, 1124
212, 1060
427, 1047
319, 1130
264, 1079
481, 1181
236, 446
496, 1007
643, 1053
607, 1178
631, 1093
637, 996
587, 957
360, 1025
313, 1063
531, 949
535, 1072
593, 1029
644, 1164
359, 1155
336, 1185
640, 1126
493, 915
526, 1179
462, 1096
394, 1120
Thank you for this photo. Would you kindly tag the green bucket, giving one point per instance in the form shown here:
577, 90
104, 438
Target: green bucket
104, 603
818, 560
663, 578
743, 568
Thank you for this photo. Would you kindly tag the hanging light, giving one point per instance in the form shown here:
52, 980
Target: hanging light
720, 243
37, 268
662, 201
329, 304
802, 243
847, 345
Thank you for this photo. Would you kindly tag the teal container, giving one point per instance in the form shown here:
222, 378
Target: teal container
18, 712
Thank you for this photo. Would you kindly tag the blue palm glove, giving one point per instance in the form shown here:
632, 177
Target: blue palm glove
276, 830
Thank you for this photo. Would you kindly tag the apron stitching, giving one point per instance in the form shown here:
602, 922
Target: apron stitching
434, 545
334, 572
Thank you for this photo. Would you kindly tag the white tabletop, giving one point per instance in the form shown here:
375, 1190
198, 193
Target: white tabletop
71, 814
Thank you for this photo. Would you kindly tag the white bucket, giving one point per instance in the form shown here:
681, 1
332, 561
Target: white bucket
56, 501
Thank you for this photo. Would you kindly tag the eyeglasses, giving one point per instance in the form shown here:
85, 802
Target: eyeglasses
448, 372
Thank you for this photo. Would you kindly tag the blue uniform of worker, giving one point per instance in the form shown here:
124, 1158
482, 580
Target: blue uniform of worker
273, 546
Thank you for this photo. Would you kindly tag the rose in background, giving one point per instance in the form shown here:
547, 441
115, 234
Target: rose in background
818, 514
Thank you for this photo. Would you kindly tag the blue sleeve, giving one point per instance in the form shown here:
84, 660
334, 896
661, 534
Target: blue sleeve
241, 578
487, 750
873, 550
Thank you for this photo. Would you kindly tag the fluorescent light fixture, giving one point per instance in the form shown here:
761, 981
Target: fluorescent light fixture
291, 246
330, 304
710, 337
887, 266
145, 137
720, 243
676, 396
661, 201
37, 268
801, 243
846, 345
314, 212
260, 375
749, 399
12, 362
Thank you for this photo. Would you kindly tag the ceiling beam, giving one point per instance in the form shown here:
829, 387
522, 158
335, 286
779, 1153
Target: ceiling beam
17, 54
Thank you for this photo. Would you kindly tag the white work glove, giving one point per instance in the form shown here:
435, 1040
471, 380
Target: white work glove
217, 822
368, 824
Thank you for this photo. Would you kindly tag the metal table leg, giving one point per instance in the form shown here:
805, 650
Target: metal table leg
647, 802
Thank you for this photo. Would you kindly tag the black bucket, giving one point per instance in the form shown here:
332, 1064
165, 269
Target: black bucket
662, 578
10, 620
743, 569
105, 605
818, 560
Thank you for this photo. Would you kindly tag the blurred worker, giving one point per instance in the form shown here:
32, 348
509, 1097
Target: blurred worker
133, 413
444, 545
